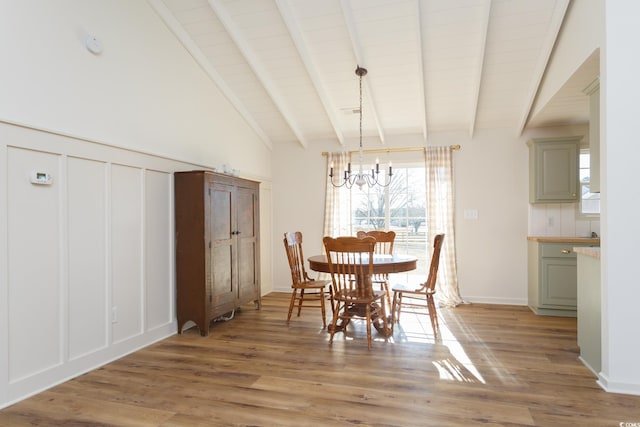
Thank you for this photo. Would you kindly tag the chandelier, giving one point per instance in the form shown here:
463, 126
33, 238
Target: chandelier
360, 178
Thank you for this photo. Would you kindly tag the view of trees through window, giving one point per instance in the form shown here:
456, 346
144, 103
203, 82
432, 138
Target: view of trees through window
400, 207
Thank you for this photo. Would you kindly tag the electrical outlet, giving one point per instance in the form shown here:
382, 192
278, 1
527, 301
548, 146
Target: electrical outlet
114, 314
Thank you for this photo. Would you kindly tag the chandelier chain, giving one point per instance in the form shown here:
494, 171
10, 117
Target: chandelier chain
361, 119
361, 178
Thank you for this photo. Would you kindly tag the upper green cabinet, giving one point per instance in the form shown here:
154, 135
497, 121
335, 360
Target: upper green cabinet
553, 170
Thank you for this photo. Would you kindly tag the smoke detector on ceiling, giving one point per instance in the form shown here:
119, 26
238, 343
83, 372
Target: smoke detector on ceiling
93, 45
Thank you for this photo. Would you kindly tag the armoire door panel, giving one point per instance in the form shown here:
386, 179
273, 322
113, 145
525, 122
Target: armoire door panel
247, 277
221, 202
246, 212
222, 264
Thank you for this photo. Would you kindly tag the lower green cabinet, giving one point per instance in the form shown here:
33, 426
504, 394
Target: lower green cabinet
552, 269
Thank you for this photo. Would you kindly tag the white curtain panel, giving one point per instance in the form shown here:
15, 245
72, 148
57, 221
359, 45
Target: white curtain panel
337, 200
440, 219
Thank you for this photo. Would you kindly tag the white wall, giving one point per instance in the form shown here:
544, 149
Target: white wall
144, 91
619, 94
298, 205
491, 177
111, 129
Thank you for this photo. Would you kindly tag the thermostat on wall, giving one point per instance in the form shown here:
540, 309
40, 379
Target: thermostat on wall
41, 178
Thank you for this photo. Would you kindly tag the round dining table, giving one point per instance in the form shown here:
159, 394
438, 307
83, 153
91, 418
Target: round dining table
382, 264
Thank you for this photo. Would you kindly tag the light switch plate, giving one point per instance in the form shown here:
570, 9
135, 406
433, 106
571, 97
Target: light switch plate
471, 214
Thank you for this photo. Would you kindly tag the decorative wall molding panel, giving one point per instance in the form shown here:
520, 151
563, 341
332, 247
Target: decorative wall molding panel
88, 258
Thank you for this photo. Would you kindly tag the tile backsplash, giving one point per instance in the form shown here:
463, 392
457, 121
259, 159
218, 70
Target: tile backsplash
560, 219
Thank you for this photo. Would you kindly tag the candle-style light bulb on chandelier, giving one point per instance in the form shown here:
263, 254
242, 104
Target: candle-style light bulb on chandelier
360, 178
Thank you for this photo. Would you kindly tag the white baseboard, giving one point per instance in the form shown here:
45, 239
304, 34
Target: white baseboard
494, 300
617, 387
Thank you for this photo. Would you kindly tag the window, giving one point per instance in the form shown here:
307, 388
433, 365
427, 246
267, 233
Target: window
400, 207
589, 205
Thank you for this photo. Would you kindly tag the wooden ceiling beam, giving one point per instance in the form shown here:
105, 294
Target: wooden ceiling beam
545, 53
258, 68
481, 57
312, 70
421, 66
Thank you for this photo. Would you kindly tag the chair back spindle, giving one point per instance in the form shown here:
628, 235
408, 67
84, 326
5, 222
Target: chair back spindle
384, 246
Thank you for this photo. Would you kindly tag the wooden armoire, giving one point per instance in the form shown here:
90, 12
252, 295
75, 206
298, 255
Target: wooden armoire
217, 246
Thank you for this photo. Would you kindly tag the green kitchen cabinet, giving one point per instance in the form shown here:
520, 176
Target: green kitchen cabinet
552, 270
553, 170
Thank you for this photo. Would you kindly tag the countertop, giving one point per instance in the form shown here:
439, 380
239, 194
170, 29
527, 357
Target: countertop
552, 239
588, 251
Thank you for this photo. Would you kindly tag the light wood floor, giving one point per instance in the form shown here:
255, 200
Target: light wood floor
496, 365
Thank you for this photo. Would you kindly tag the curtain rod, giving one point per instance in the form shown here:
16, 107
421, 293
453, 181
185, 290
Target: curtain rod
394, 150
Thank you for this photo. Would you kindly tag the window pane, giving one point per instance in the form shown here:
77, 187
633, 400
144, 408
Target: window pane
368, 208
589, 202
408, 215
403, 202
585, 166
585, 159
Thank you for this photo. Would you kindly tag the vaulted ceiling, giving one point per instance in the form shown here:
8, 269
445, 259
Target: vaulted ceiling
288, 66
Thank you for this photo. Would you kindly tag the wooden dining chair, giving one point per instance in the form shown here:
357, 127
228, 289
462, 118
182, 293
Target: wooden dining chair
384, 245
351, 267
420, 297
306, 291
